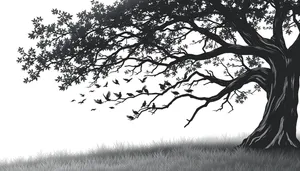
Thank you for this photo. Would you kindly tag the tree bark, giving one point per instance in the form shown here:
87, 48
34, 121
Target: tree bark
278, 126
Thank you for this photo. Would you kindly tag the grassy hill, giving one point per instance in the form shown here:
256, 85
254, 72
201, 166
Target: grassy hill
185, 155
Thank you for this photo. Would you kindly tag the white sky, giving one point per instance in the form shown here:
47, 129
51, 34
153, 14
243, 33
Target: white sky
37, 118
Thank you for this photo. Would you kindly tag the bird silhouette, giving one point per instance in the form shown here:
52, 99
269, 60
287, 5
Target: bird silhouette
82, 95
130, 94
130, 117
175, 92
119, 95
105, 84
82, 101
167, 83
111, 107
93, 109
185, 76
140, 91
73, 100
143, 80
97, 85
144, 103
127, 80
99, 101
189, 90
145, 90
107, 96
92, 91
162, 86
153, 106
135, 112
116, 82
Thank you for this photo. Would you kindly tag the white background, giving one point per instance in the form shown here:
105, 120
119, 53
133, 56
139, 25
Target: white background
37, 118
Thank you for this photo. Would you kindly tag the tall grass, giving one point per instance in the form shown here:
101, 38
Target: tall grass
180, 155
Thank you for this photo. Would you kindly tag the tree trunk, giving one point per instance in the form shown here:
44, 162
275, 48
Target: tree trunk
278, 126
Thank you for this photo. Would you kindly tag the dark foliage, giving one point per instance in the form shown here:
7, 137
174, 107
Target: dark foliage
153, 37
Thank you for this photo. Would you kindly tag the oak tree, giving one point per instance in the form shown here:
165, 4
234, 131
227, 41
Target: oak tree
155, 38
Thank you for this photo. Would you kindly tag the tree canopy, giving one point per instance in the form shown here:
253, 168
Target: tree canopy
155, 37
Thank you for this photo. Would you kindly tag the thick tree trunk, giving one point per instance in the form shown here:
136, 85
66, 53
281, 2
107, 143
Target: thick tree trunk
278, 126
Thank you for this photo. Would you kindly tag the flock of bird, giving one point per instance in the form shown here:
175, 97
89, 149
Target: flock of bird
119, 95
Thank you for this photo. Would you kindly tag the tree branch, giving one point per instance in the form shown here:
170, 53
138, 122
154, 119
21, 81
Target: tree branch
208, 34
279, 17
258, 75
248, 33
233, 85
229, 48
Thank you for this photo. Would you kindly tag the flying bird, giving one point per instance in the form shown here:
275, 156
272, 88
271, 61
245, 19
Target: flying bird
135, 112
143, 80
82, 101
73, 100
92, 91
82, 95
130, 94
119, 95
144, 103
140, 91
189, 90
130, 117
107, 96
185, 76
97, 85
99, 101
167, 83
93, 109
105, 84
127, 80
116, 81
175, 92
162, 86
111, 107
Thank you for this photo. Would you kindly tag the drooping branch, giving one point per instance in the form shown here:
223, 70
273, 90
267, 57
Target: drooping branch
233, 85
258, 75
226, 100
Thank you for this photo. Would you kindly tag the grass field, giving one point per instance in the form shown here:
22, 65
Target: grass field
183, 155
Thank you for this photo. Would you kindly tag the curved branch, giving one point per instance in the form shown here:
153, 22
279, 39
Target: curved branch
226, 101
195, 113
233, 85
258, 75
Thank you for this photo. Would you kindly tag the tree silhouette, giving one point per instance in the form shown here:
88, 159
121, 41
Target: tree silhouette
155, 37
